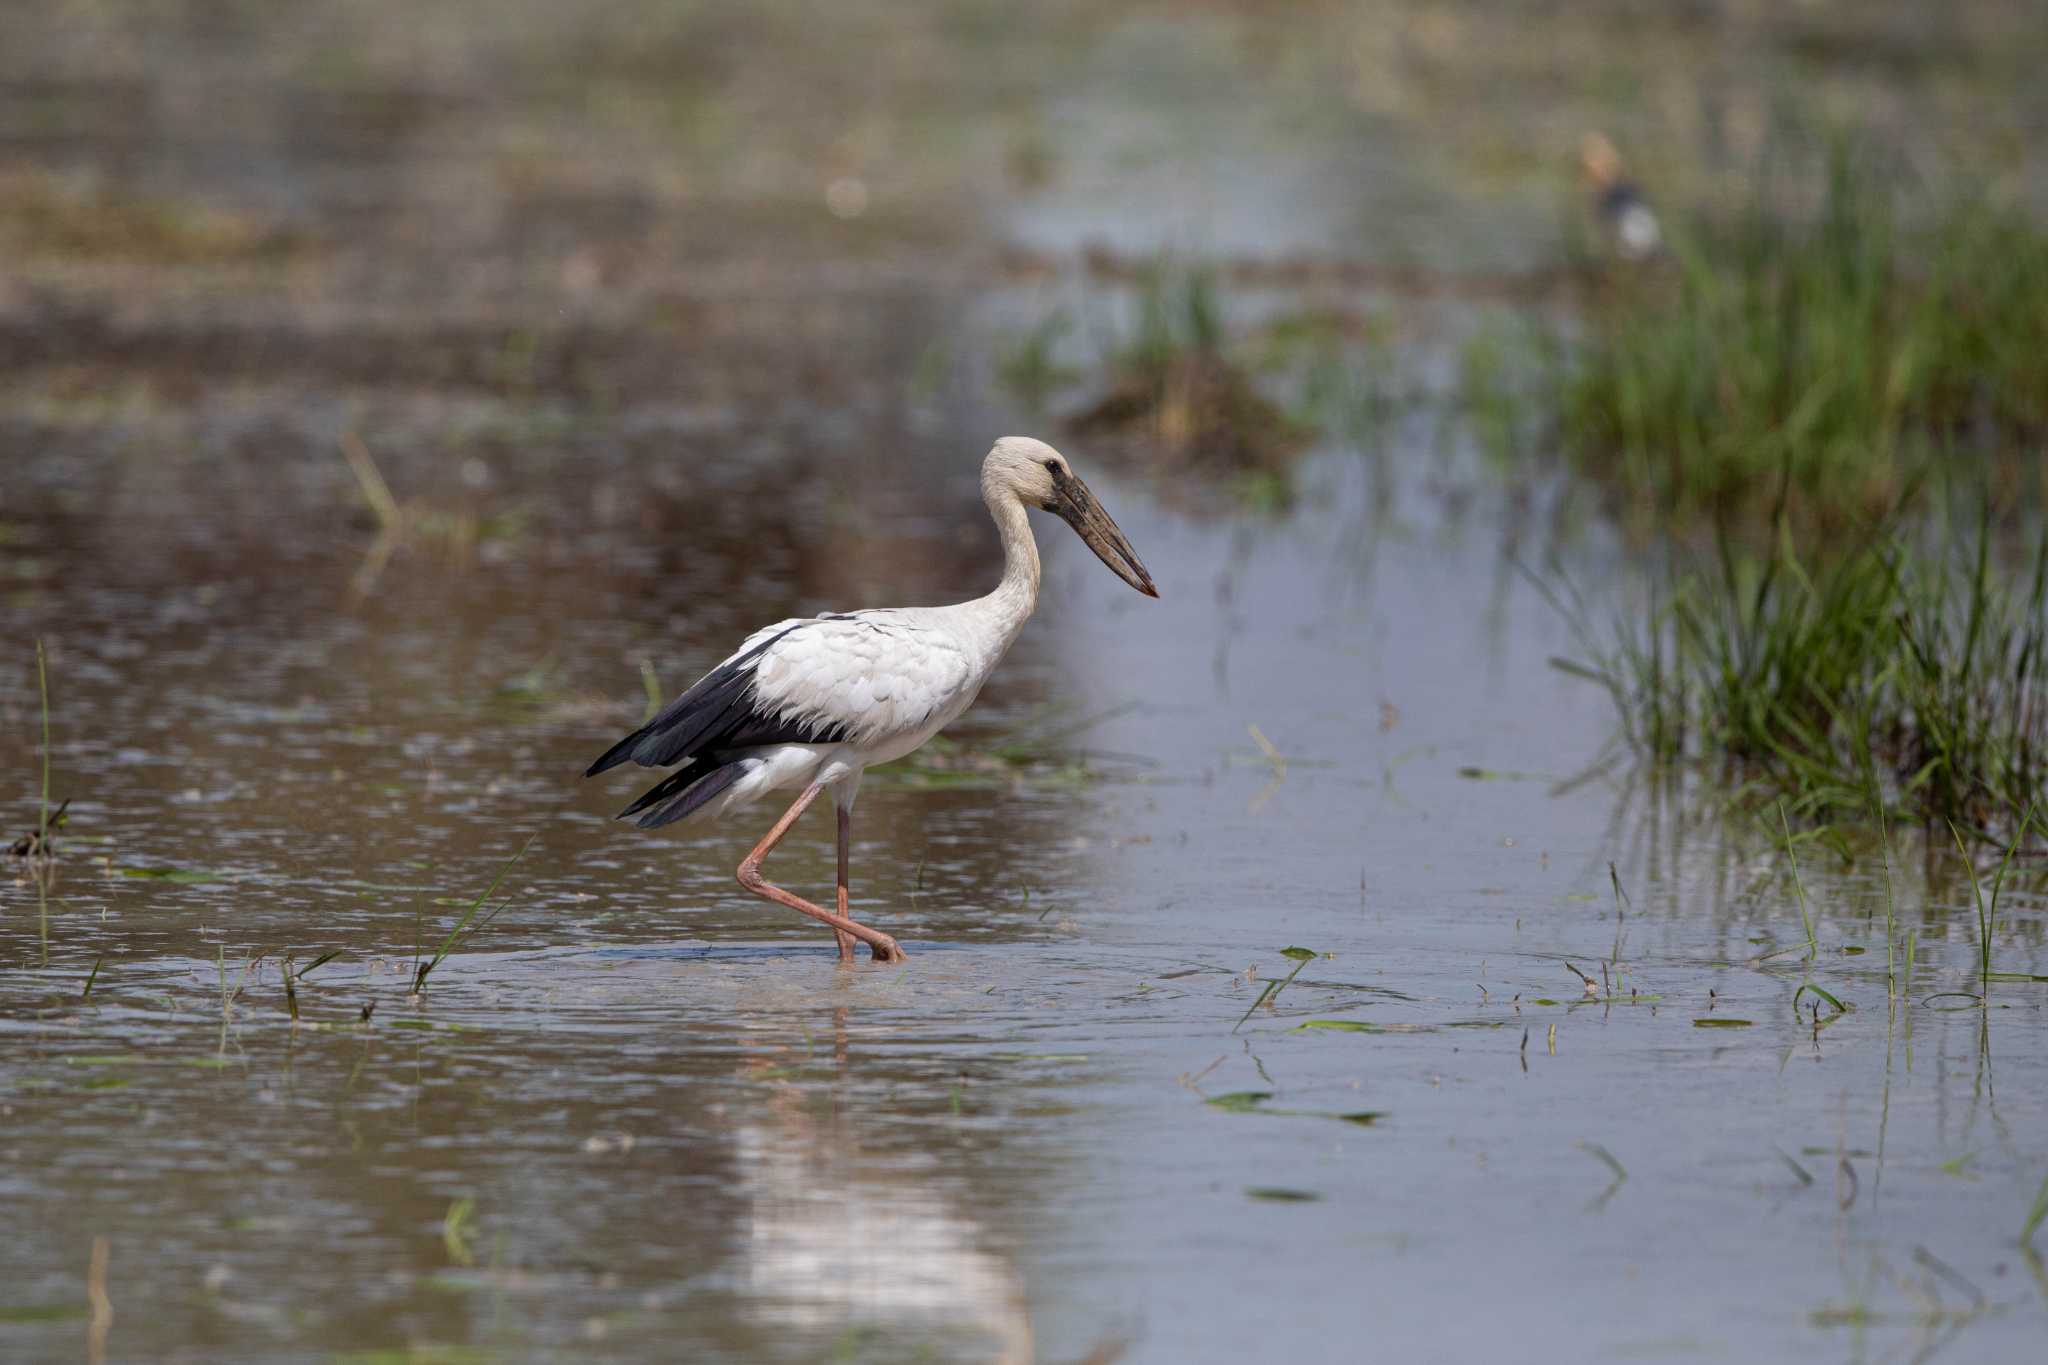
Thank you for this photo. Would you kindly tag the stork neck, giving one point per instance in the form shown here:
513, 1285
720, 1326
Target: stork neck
1012, 601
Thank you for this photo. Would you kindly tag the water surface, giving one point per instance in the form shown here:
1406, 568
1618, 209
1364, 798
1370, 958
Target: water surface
636, 405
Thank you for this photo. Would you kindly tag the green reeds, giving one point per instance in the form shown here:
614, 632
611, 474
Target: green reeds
1835, 348
1987, 911
1896, 675
1302, 957
1178, 393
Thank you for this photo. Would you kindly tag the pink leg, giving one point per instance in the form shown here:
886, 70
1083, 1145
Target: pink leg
880, 945
845, 838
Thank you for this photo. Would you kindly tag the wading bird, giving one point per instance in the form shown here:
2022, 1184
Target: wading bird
1625, 215
814, 702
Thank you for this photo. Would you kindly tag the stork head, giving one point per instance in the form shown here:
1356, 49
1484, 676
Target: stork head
1038, 476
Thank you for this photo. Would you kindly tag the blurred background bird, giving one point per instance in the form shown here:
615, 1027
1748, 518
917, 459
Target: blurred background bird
1627, 222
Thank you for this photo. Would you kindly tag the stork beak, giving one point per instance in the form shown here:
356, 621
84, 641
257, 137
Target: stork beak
1079, 509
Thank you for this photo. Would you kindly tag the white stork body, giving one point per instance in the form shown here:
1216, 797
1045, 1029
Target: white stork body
886, 679
813, 702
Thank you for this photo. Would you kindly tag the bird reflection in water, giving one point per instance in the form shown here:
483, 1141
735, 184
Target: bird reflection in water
834, 1240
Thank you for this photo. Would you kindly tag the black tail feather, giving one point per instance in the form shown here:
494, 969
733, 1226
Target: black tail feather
684, 792
683, 725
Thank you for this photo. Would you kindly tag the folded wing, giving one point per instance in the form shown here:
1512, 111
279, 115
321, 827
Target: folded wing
859, 678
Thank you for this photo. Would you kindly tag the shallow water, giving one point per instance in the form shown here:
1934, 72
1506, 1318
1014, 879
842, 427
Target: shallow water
641, 1115
679, 1127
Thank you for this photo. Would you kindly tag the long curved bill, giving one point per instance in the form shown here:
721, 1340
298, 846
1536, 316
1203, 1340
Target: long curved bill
1079, 509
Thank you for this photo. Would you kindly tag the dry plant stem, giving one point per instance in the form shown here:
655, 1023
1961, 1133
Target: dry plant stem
102, 1304
881, 945
845, 839
43, 681
1891, 908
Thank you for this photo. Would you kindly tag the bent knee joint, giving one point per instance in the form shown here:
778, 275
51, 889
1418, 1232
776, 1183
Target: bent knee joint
750, 876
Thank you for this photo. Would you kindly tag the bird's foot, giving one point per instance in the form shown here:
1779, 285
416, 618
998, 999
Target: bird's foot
885, 949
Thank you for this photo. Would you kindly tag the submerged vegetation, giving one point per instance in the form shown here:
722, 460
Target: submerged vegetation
44, 214
1900, 676
1835, 349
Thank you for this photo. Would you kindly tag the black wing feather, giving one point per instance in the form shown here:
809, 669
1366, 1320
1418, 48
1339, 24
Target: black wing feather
670, 786
684, 791
717, 713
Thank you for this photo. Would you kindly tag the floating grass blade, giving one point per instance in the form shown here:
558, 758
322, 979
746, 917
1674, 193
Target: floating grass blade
1605, 1157
1804, 1176
91, 977
1254, 1102
1302, 957
319, 962
1808, 988
462, 932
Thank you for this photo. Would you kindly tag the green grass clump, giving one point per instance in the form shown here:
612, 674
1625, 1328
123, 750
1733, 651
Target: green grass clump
1177, 395
1901, 677
1834, 349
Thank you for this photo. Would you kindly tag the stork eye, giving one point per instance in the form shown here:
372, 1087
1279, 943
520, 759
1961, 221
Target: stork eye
1053, 465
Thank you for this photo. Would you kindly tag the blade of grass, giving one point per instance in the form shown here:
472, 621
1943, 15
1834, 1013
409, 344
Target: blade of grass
43, 683
1302, 957
1891, 907
319, 962
1977, 892
1998, 885
457, 933
1798, 884
2036, 1215
370, 479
